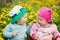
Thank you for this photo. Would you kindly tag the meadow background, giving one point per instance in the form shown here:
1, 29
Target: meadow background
33, 6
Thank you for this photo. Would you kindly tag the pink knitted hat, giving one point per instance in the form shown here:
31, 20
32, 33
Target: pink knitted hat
45, 13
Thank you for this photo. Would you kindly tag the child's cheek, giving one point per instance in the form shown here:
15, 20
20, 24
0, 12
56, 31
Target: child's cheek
24, 20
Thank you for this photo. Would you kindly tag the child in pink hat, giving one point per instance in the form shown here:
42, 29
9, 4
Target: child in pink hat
43, 29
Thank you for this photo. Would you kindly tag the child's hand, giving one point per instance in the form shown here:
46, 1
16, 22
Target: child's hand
31, 23
58, 38
36, 37
14, 34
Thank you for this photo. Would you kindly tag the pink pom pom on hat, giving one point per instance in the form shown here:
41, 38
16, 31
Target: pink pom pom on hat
45, 13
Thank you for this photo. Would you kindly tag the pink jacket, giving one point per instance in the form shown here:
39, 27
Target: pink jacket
44, 33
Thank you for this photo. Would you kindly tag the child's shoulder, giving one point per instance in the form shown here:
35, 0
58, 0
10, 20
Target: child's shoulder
9, 25
53, 25
34, 24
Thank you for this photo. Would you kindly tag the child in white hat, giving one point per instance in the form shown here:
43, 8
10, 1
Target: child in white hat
16, 29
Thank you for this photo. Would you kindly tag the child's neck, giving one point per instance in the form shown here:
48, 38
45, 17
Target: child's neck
46, 25
19, 23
